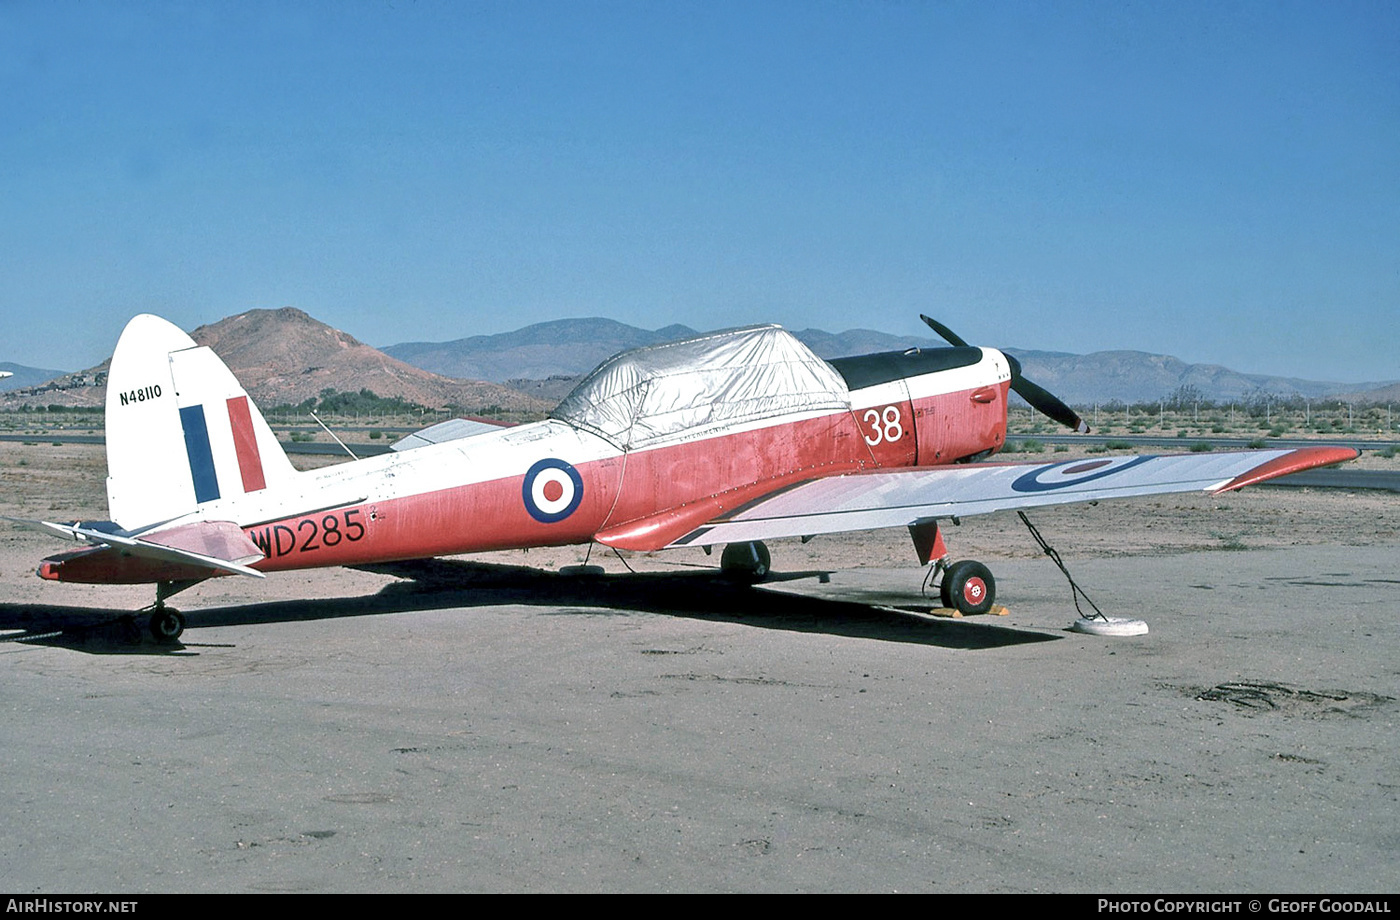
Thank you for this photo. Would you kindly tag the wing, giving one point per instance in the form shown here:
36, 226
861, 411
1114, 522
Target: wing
450, 430
897, 498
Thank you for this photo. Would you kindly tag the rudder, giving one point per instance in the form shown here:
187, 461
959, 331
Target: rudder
181, 430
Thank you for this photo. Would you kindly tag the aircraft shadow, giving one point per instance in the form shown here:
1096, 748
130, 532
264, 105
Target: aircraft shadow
97, 631
439, 584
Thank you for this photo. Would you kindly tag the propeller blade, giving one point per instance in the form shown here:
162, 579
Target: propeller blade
1041, 399
949, 336
1045, 402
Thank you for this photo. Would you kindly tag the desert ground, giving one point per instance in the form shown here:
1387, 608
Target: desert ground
490, 724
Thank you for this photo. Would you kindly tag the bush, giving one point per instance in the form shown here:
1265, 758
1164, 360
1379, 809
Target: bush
365, 402
376, 434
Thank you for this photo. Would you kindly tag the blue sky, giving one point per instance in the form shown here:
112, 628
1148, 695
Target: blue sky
1216, 181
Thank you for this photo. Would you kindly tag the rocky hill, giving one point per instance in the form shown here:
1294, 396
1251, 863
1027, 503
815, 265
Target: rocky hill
285, 356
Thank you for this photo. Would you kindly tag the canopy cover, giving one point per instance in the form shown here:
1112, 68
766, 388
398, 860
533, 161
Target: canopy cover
697, 386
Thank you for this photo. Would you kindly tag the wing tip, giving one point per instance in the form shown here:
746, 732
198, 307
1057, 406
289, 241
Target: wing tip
1295, 461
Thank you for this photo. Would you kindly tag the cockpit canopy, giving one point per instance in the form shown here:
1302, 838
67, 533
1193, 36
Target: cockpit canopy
698, 386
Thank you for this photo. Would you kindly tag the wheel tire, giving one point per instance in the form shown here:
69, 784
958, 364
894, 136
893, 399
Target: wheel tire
167, 625
747, 563
945, 587
968, 587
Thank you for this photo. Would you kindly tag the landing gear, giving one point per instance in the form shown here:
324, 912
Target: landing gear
167, 623
968, 587
747, 563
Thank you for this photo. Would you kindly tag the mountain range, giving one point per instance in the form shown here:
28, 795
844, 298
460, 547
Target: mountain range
285, 356
24, 376
565, 349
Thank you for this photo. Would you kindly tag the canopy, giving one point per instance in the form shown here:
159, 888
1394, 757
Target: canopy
700, 386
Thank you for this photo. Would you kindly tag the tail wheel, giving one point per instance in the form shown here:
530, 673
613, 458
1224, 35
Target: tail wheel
167, 624
968, 587
746, 562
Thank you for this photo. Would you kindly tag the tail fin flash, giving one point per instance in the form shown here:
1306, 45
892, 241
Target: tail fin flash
181, 431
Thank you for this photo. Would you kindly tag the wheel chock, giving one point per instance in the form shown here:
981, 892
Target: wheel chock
954, 614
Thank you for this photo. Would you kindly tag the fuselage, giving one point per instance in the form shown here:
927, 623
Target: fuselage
554, 483
549, 483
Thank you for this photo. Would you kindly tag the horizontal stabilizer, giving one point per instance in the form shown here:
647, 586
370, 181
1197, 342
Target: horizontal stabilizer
217, 545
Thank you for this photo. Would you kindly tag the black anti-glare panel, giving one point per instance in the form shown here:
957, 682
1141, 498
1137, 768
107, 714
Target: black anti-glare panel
870, 370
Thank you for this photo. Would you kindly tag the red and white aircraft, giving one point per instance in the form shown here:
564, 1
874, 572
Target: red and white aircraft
732, 437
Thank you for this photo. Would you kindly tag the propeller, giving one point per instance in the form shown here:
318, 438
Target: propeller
1043, 400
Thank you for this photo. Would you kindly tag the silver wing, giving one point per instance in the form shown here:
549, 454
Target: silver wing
899, 498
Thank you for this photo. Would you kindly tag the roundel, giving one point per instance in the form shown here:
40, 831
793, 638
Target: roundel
552, 490
1073, 472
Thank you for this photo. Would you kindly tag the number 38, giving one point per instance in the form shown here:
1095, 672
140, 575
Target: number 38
884, 425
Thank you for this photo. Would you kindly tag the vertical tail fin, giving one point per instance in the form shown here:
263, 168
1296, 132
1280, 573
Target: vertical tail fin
181, 431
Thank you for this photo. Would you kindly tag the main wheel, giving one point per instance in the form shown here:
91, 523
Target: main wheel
746, 562
968, 587
167, 624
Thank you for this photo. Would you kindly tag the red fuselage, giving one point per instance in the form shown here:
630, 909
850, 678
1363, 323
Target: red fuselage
551, 483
